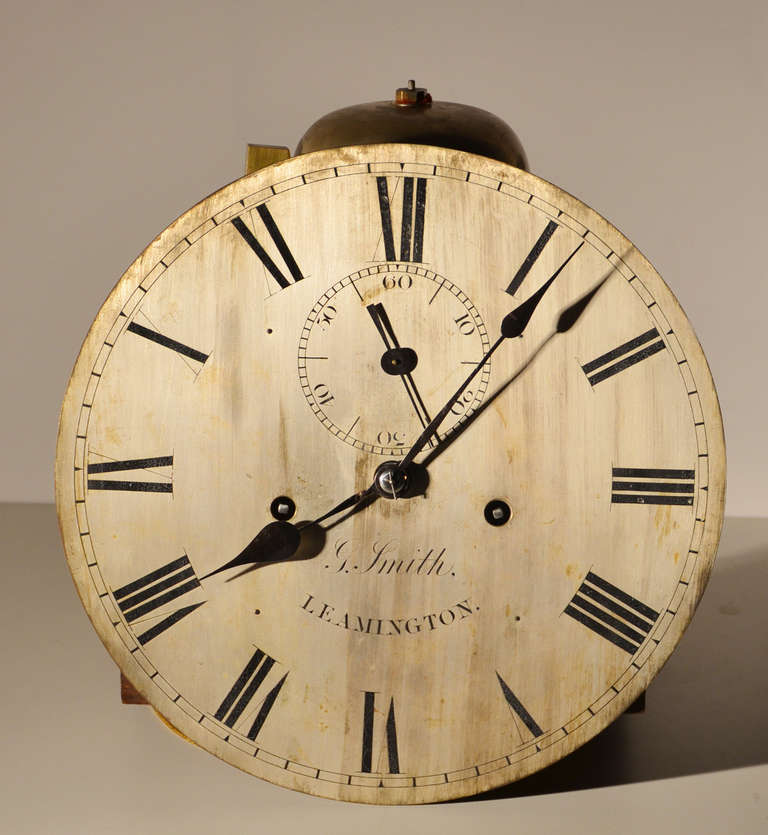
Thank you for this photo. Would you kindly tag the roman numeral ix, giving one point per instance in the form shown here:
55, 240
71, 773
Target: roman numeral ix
156, 589
244, 690
279, 241
612, 613
412, 221
640, 486
132, 464
369, 708
625, 356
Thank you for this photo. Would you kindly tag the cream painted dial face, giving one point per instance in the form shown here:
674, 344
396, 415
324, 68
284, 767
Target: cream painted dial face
300, 328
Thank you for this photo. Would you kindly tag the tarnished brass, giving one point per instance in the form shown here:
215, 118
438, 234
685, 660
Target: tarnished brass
413, 117
260, 156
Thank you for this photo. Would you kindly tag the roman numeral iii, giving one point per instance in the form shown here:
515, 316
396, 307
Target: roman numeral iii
412, 220
151, 465
612, 613
640, 486
155, 590
393, 758
245, 690
277, 238
623, 357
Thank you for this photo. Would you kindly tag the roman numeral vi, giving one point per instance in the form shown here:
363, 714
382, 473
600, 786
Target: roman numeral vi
393, 758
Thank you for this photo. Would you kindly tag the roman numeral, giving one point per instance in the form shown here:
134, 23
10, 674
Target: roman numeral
626, 355
156, 589
530, 259
245, 689
412, 221
167, 342
133, 464
369, 709
279, 242
612, 613
644, 487
517, 707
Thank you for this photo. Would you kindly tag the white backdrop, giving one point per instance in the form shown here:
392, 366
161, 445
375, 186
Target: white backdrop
117, 117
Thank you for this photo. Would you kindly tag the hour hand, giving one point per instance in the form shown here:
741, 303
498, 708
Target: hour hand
274, 542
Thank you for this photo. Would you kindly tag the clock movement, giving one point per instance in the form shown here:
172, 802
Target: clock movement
391, 472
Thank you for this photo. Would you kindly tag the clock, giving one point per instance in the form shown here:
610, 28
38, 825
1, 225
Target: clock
390, 472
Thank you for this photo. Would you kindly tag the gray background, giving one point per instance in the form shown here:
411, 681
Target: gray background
117, 117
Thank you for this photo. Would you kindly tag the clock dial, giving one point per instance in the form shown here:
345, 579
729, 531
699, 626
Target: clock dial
499, 586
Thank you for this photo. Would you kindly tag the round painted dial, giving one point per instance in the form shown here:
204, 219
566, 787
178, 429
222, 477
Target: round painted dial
438, 641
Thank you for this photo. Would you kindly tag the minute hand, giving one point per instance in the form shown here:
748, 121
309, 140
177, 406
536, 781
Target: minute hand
512, 325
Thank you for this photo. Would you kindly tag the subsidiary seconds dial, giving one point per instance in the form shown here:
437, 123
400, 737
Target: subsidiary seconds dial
402, 332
